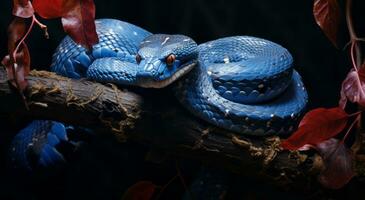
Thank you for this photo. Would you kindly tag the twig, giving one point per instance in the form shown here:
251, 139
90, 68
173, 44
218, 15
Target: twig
353, 37
351, 127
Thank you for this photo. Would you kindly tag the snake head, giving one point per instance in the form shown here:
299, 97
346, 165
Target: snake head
162, 59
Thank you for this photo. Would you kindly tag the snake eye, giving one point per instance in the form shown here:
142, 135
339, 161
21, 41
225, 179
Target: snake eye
170, 59
138, 58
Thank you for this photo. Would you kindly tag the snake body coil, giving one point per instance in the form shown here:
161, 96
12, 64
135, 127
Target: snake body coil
243, 84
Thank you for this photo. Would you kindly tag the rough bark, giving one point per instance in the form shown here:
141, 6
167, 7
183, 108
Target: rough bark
155, 118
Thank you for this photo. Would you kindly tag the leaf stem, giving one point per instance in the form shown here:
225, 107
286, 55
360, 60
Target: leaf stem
355, 114
349, 20
350, 128
42, 26
355, 48
21, 42
353, 61
25, 36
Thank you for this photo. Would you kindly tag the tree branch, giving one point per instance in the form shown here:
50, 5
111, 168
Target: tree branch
156, 119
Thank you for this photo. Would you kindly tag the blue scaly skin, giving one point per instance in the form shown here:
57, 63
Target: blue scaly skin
151, 71
246, 85
243, 84
35, 145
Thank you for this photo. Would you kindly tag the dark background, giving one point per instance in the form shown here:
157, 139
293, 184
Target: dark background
287, 22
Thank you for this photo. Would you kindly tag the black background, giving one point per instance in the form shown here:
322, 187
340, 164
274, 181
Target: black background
287, 22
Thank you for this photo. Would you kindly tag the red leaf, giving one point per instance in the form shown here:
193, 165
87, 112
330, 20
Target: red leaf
48, 9
327, 16
78, 21
142, 190
317, 126
22, 8
338, 161
353, 88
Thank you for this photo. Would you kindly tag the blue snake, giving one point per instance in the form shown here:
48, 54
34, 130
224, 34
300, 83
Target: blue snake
244, 84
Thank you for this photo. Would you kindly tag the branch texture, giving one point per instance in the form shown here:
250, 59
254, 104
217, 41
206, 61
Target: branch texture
155, 118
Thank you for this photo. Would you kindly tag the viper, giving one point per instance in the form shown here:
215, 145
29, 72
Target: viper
244, 84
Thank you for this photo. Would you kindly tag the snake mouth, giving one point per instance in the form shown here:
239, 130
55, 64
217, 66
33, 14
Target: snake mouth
178, 74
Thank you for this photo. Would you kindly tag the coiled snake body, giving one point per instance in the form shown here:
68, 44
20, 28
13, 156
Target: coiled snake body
243, 84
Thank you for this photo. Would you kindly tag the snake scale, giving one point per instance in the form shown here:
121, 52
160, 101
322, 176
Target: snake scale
243, 84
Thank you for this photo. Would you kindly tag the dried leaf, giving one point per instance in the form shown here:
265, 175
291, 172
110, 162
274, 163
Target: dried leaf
19, 61
21, 66
16, 31
327, 16
353, 88
78, 21
48, 9
338, 160
317, 126
22, 8
142, 190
